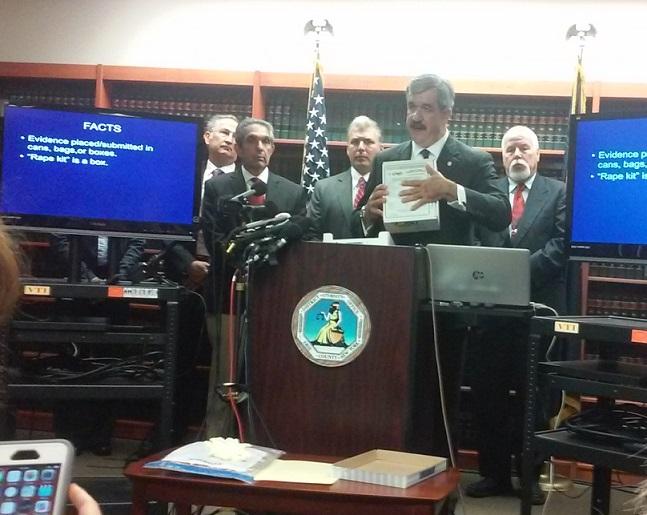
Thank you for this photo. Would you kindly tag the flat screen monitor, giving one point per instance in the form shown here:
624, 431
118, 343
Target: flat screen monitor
97, 171
607, 188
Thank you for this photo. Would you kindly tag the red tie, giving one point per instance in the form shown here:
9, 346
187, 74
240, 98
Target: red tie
518, 205
361, 188
255, 200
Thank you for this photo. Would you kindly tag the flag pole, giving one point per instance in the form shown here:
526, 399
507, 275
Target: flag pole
571, 402
315, 163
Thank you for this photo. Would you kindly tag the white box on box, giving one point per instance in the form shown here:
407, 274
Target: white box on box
398, 217
390, 468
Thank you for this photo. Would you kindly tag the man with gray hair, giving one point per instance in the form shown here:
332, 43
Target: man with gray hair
538, 224
188, 264
461, 179
334, 198
254, 144
185, 264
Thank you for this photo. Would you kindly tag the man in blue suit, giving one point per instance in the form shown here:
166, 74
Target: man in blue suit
538, 218
334, 198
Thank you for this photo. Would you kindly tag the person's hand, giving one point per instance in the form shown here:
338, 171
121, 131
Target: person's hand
374, 209
198, 271
424, 191
83, 501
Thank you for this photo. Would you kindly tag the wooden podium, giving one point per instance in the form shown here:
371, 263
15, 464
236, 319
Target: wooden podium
379, 400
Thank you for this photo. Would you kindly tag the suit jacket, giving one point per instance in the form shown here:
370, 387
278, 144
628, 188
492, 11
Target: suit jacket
467, 166
331, 206
541, 230
180, 254
217, 224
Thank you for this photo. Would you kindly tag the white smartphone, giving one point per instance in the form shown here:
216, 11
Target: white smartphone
34, 476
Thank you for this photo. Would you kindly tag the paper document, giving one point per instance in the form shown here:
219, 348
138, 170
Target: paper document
295, 471
398, 216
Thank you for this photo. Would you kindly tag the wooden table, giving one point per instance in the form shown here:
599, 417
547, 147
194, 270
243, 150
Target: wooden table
342, 498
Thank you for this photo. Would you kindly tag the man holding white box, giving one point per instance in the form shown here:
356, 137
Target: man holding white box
460, 180
460, 177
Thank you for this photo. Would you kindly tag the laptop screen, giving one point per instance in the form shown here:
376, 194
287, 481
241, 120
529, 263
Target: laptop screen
490, 276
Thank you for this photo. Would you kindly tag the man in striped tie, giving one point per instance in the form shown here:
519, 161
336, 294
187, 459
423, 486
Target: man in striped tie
335, 198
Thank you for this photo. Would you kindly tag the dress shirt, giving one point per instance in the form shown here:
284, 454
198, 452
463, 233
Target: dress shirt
434, 151
263, 176
210, 168
512, 186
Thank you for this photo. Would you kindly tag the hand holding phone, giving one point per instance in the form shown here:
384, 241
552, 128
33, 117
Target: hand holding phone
34, 476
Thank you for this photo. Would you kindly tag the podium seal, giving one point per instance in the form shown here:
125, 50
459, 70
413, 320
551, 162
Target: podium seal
331, 326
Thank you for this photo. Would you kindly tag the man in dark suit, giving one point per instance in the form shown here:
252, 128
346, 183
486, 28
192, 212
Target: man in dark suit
254, 146
462, 179
334, 198
538, 218
188, 264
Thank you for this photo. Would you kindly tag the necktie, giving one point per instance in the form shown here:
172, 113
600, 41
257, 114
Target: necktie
361, 188
256, 200
217, 172
425, 153
518, 205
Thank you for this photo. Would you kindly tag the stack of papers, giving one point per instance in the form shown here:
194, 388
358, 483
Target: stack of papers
199, 458
230, 459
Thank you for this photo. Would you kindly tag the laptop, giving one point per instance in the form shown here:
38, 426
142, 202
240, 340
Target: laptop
490, 276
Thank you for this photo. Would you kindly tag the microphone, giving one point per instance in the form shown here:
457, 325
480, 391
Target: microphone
256, 213
285, 233
257, 189
279, 217
256, 230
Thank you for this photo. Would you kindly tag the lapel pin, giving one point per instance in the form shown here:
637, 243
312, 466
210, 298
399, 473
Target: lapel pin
449, 163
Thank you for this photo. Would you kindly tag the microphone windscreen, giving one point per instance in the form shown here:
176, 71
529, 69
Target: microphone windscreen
260, 188
295, 228
257, 213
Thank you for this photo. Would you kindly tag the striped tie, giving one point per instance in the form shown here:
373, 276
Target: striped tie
361, 188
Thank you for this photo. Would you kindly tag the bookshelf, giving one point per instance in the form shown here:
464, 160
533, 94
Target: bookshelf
484, 109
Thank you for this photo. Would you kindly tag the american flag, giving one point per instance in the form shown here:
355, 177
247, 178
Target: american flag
315, 152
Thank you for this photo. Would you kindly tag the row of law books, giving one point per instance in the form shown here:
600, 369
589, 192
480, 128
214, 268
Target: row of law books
287, 112
618, 270
182, 107
477, 126
485, 126
630, 305
52, 98
635, 360
47, 92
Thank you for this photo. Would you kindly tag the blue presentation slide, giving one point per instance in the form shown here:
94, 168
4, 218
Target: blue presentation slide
610, 182
98, 166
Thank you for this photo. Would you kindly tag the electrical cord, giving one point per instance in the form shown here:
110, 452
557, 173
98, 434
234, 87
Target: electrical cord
441, 392
103, 368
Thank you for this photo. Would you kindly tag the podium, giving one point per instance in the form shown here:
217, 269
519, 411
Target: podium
381, 399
